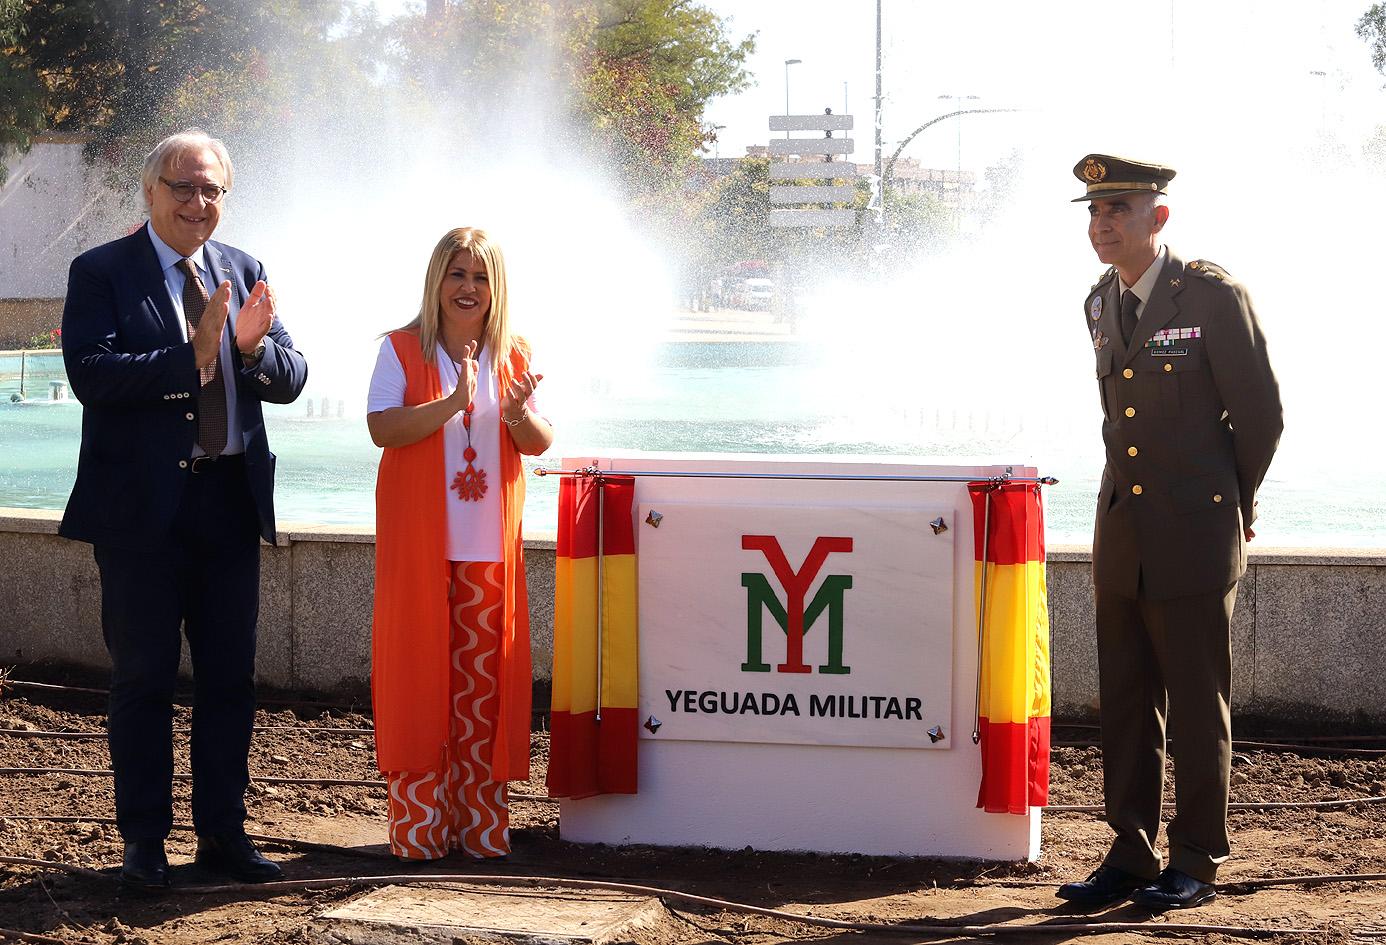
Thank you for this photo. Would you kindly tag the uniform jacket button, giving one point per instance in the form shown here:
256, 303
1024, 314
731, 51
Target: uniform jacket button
1217, 498
1168, 366
190, 415
1136, 489
1130, 411
182, 464
1131, 451
1128, 374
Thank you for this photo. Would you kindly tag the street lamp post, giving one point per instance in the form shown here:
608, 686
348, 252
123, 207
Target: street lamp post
957, 106
787, 64
716, 142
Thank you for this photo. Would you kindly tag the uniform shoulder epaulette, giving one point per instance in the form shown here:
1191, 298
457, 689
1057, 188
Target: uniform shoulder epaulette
1210, 270
1111, 271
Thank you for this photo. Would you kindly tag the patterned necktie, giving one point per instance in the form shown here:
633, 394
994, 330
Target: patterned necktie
211, 400
1129, 301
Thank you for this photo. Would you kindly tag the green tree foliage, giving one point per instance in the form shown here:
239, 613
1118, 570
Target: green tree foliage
127, 72
629, 79
21, 97
632, 77
672, 57
1372, 28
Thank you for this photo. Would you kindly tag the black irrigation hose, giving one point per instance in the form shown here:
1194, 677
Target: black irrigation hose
352, 706
255, 779
6, 934
350, 782
939, 929
306, 729
1267, 746
293, 843
540, 713
370, 732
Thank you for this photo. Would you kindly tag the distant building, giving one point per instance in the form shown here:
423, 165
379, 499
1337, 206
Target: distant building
953, 189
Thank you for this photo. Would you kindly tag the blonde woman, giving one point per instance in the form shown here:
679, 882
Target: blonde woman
452, 404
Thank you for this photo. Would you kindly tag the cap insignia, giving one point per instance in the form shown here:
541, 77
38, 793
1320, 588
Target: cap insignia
1094, 171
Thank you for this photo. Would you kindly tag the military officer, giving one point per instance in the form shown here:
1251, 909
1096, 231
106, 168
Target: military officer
1192, 418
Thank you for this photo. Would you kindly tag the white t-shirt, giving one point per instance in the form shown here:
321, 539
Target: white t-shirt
474, 527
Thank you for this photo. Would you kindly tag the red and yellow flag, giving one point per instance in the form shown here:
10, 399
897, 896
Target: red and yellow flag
587, 756
1014, 701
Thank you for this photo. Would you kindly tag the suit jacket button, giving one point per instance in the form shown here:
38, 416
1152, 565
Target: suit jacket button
1217, 498
182, 464
1128, 374
1130, 411
1136, 489
1130, 450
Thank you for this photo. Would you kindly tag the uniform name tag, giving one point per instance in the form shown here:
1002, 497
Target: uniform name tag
1168, 352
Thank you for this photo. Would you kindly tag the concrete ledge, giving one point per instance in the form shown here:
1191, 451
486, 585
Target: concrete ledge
1309, 636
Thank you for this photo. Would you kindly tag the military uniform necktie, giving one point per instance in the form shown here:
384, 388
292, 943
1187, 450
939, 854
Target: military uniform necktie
211, 400
1129, 302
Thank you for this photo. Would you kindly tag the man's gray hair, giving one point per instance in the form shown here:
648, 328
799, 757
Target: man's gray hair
176, 145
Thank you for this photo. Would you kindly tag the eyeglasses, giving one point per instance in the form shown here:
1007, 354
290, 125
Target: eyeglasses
183, 191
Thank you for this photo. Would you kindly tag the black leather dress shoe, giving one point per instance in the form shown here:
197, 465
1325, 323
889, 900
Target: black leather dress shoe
1107, 884
1174, 890
145, 865
234, 855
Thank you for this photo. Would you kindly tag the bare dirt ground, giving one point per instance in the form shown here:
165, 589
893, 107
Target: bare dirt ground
72, 908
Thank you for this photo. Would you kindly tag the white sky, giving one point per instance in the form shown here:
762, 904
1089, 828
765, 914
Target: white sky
1118, 72
1120, 76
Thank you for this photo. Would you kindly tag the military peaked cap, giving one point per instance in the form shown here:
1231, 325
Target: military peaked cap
1108, 176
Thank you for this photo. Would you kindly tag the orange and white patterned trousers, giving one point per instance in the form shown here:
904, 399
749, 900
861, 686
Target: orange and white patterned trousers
459, 806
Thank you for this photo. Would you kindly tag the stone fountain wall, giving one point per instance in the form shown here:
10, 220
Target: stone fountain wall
1309, 637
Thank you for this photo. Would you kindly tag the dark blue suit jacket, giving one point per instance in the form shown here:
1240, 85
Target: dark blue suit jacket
128, 364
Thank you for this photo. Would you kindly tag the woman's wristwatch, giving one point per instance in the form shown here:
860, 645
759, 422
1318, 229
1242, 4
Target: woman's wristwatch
524, 412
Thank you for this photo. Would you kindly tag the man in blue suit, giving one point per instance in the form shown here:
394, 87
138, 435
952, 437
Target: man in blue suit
171, 342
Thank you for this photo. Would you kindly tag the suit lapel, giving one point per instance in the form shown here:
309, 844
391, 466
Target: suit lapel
1161, 308
219, 272
1110, 322
153, 286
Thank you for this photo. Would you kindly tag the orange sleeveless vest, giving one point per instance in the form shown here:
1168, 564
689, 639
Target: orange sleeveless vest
409, 632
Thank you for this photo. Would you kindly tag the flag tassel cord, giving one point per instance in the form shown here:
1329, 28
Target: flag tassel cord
592, 472
601, 571
982, 619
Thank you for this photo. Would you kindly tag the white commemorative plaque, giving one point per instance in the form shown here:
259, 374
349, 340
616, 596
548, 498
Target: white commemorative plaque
817, 625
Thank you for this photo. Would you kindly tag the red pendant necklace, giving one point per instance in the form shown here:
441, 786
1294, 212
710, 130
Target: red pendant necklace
470, 483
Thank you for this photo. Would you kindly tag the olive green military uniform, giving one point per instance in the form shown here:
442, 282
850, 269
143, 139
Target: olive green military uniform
1192, 418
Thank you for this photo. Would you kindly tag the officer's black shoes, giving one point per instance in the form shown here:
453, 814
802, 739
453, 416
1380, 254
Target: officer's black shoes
145, 865
234, 855
1106, 885
1174, 890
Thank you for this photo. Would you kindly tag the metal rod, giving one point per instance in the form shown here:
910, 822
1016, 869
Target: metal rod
981, 618
601, 572
832, 477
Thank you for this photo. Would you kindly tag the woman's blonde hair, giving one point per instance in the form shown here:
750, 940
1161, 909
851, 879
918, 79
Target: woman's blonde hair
495, 332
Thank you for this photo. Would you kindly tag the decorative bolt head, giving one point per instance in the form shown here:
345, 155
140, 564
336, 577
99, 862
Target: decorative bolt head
652, 725
939, 525
653, 519
936, 734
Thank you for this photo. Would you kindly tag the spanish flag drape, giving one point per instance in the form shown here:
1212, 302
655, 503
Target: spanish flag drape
1014, 721
587, 757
